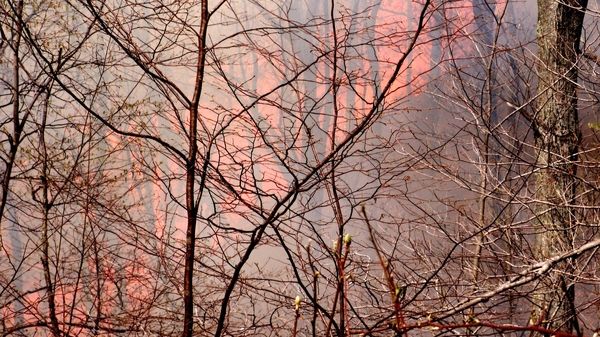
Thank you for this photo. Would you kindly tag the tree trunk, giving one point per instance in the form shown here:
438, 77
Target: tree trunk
558, 34
191, 202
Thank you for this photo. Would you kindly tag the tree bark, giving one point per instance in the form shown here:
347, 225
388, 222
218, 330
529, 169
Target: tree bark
558, 34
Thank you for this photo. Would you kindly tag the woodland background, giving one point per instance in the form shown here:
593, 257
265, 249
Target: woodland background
299, 168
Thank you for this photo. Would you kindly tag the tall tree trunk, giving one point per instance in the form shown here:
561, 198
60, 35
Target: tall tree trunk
191, 202
18, 122
558, 34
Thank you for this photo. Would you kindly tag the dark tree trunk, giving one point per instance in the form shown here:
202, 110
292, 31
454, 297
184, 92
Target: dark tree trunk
558, 34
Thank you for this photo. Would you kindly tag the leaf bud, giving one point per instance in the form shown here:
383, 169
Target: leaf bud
297, 302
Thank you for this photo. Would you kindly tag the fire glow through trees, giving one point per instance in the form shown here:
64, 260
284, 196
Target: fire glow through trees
298, 168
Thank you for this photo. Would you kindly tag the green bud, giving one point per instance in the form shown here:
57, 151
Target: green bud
297, 302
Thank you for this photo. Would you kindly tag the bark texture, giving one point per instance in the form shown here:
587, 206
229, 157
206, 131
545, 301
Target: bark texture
558, 34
